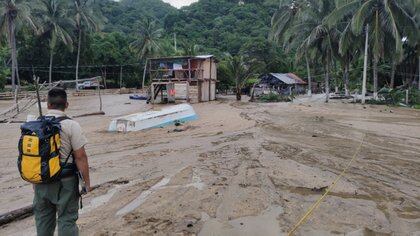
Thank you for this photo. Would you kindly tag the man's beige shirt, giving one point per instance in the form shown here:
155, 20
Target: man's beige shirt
72, 137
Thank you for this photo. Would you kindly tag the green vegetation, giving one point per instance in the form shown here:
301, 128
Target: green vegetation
322, 41
397, 97
275, 97
334, 31
241, 71
4, 70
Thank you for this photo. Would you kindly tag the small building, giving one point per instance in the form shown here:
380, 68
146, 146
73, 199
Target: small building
284, 84
189, 78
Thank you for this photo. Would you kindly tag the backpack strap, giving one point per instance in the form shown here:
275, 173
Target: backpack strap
59, 119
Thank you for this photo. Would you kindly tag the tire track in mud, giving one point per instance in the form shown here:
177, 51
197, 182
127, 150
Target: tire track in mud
385, 167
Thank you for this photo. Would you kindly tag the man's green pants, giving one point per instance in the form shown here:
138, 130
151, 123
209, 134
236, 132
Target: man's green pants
54, 203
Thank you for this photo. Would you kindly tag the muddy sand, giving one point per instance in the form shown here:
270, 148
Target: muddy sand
241, 169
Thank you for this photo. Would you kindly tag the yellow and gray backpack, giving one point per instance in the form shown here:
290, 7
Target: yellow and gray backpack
39, 145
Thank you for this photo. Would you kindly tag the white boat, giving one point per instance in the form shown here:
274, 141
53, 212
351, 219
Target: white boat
153, 119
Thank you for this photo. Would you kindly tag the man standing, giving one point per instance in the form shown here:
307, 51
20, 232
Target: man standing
58, 202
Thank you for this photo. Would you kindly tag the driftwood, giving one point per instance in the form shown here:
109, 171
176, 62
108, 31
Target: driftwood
27, 211
12, 121
16, 215
99, 113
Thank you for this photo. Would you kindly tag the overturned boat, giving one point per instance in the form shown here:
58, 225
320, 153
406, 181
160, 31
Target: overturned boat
153, 119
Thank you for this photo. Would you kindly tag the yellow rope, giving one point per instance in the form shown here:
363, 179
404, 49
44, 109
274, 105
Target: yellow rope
328, 190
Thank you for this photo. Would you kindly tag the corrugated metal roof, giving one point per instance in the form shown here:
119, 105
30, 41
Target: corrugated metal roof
295, 77
288, 78
204, 56
284, 78
182, 57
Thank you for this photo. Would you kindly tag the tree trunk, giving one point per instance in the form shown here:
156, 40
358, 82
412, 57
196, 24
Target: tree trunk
365, 65
238, 94
393, 68
15, 73
309, 76
346, 79
105, 80
327, 82
11, 39
121, 77
252, 93
419, 75
50, 71
375, 78
78, 57
99, 92
144, 74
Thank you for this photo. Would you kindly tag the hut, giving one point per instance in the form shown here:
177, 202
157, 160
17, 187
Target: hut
280, 83
186, 78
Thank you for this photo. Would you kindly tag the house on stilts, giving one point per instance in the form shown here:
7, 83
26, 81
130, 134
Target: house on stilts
185, 78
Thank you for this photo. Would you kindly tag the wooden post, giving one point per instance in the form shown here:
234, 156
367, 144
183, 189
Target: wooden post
210, 81
188, 91
189, 69
99, 91
152, 92
105, 79
406, 97
36, 80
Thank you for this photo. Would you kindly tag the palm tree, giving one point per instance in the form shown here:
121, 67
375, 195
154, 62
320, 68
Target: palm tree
55, 25
288, 27
240, 71
350, 45
190, 49
148, 42
300, 24
323, 38
86, 19
387, 20
14, 13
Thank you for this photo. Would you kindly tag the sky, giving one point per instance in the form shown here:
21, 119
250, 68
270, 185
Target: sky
180, 3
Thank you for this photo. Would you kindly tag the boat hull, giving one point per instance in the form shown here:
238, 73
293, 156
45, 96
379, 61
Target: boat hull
153, 119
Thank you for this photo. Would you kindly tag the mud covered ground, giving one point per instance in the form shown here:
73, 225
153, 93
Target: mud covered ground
241, 169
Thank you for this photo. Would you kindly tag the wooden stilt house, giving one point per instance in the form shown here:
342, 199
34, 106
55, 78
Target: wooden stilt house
187, 78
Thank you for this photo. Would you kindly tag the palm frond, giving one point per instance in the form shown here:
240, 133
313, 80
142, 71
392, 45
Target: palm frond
340, 13
359, 18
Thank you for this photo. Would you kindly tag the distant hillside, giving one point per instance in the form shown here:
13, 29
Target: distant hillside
218, 26
223, 25
123, 15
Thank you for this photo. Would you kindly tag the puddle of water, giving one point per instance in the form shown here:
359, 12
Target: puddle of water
99, 201
196, 182
264, 224
142, 197
103, 199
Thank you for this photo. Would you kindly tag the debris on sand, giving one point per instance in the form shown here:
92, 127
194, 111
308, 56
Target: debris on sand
138, 97
319, 190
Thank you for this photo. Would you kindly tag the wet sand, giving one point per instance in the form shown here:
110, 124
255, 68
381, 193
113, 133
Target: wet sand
241, 169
